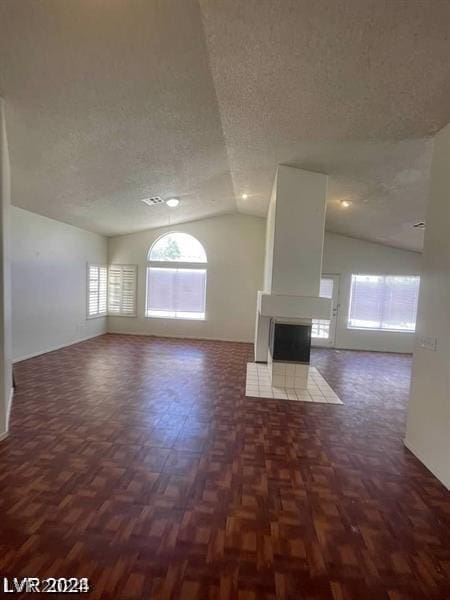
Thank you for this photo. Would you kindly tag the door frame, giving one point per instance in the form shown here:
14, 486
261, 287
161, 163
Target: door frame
331, 341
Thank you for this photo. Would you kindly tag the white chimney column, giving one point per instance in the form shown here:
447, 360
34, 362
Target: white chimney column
294, 246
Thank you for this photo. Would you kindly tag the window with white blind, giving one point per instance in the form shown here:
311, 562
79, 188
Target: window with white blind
387, 303
176, 278
122, 280
97, 280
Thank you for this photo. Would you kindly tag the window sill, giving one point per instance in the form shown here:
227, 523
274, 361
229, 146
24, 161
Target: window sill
373, 329
170, 318
89, 317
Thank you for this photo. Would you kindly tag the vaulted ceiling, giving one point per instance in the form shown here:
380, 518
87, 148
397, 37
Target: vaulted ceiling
112, 102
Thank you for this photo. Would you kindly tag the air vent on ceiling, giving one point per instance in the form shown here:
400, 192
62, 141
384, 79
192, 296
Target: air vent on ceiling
153, 200
419, 225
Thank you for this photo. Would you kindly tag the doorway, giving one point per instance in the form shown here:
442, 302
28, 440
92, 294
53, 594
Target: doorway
323, 332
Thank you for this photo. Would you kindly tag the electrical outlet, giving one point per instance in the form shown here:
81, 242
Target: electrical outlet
428, 342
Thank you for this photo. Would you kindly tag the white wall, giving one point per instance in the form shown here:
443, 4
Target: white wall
428, 428
5, 280
235, 249
49, 283
344, 256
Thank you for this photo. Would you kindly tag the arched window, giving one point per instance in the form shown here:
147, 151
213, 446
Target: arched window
176, 278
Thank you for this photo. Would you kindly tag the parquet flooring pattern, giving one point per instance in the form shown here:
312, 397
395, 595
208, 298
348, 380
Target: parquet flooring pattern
138, 462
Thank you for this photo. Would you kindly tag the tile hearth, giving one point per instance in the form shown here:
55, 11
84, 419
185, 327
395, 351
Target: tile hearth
258, 385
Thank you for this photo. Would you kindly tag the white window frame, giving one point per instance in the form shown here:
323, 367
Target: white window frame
121, 312
378, 329
177, 265
98, 313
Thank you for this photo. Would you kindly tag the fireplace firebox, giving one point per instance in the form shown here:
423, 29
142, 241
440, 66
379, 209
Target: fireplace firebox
290, 342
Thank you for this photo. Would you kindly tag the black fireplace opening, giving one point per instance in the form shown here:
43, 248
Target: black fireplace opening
290, 342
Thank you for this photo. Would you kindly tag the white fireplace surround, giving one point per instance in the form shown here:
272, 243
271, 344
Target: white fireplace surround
287, 375
293, 307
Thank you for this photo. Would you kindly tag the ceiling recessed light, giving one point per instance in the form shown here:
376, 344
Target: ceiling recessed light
172, 202
345, 203
244, 196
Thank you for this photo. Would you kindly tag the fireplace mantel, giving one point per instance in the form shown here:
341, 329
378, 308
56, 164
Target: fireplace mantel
293, 307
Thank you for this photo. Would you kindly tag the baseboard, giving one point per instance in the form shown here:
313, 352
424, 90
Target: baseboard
53, 348
4, 435
8, 410
184, 337
420, 457
353, 349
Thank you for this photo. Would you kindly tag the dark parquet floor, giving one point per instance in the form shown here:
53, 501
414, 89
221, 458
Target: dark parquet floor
138, 462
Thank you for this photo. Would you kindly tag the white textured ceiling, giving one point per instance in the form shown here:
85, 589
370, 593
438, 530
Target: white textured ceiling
110, 102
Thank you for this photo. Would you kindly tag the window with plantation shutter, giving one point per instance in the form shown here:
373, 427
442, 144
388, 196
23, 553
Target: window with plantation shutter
388, 303
122, 280
97, 283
